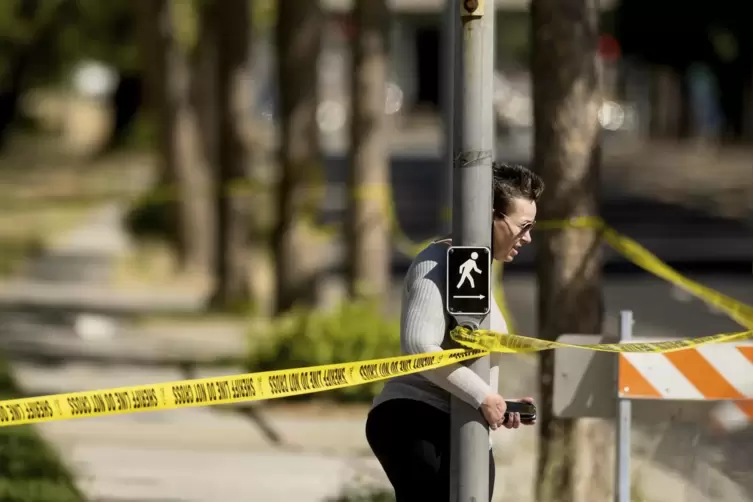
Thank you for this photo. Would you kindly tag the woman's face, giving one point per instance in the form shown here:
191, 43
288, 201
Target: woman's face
513, 230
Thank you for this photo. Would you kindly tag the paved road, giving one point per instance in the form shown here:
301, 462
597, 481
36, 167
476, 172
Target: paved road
660, 308
666, 199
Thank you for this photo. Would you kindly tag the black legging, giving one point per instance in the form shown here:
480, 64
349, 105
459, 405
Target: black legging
411, 440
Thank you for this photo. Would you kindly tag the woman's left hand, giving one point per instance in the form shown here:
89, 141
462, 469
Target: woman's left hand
514, 421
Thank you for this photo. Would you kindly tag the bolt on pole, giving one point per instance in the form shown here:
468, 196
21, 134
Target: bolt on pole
471, 226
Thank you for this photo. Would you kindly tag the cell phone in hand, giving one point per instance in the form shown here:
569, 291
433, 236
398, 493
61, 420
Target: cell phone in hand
527, 410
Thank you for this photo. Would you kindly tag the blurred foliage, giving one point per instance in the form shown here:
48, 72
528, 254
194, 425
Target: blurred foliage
93, 30
80, 30
142, 134
19, 21
30, 471
514, 34
102, 31
354, 331
44, 39
264, 14
186, 21
151, 218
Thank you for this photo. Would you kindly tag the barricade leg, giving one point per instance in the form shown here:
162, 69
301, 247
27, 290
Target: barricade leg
624, 418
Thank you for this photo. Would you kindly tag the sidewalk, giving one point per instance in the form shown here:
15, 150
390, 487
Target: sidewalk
184, 454
191, 455
199, 454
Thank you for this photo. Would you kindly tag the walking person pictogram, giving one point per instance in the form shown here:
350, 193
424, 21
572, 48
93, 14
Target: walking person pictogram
466, 268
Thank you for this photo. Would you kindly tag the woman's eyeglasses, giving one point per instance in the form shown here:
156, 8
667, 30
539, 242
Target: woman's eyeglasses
522, 229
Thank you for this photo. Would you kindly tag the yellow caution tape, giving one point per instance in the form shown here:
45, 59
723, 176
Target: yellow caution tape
220, 390
502, 342
508, 343
627, 247
642, 257
492, 341
291, 382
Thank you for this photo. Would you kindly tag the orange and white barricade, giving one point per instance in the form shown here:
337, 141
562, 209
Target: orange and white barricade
719, 372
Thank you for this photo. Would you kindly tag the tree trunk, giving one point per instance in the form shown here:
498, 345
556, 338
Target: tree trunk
126, 102
233, 155
574, 462
367, 228
298, 34
183, 167
204, 76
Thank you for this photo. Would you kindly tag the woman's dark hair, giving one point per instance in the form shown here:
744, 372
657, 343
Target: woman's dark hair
513, 181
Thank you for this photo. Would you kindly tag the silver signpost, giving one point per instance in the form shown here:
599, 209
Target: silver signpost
471, 233
450, 82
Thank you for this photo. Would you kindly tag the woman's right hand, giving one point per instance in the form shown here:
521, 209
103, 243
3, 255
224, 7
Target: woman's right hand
493, 408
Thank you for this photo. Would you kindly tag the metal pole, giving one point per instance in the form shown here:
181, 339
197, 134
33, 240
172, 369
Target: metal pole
624, 419
471, 226
451, 84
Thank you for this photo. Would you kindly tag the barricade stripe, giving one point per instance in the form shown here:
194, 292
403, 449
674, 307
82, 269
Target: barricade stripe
731, 365
702, 375
631, 381
666, 378
747, 352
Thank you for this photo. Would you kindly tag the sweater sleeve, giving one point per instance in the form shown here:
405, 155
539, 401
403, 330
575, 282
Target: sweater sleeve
423, 330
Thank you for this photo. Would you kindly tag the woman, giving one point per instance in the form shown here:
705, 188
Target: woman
408, 427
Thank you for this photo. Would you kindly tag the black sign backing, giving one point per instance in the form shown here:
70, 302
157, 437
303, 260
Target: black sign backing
468, 280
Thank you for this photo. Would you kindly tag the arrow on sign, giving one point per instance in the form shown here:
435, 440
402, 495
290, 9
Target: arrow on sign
479, 297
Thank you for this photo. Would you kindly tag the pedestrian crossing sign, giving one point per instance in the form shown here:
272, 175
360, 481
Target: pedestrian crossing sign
468, 280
